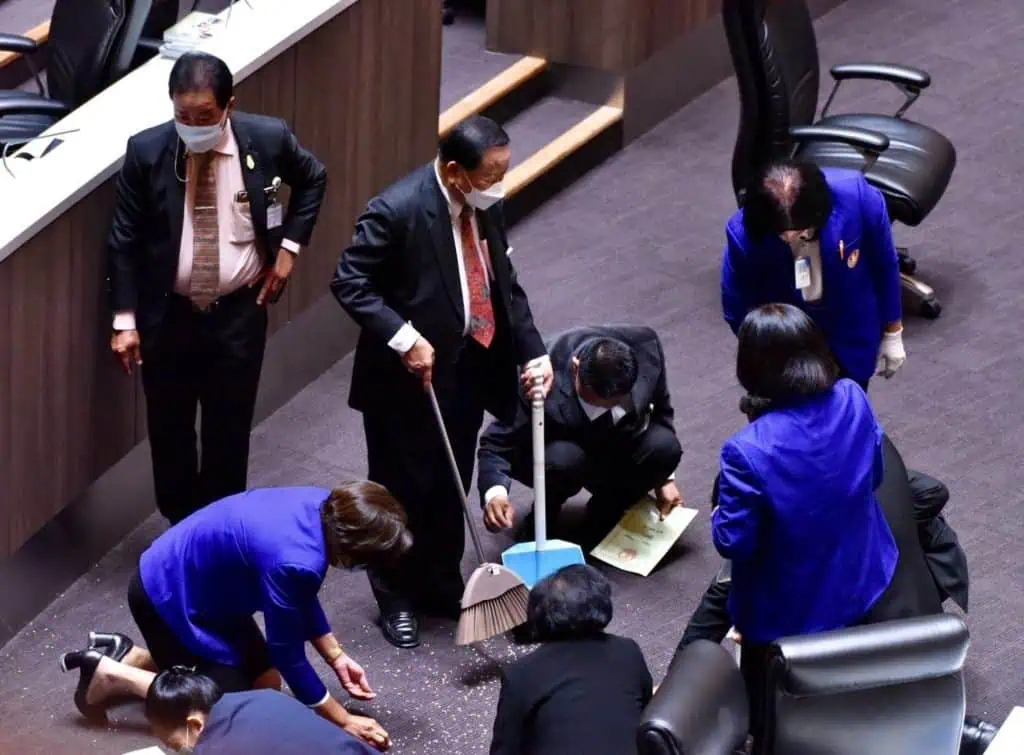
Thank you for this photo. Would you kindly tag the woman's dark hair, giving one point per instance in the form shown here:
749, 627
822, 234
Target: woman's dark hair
782, 355
573, 603
197, 71
467, 143
176, 693
787, 195
607, 367
364, 524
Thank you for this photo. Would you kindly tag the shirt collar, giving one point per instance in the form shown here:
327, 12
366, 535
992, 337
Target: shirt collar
454, 207
595, 412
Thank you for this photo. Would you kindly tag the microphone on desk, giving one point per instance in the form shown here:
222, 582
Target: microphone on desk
56, 143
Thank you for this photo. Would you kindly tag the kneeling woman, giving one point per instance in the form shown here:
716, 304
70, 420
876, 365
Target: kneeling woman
199, 584
797, 513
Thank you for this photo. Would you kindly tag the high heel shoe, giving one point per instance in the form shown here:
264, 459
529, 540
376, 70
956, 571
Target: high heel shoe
112, 644
86, 662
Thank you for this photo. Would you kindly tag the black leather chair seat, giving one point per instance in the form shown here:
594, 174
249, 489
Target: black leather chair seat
22, 125
912, 173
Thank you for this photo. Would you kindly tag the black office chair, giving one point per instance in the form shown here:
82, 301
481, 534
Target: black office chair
775, 55
92, 44
894, 688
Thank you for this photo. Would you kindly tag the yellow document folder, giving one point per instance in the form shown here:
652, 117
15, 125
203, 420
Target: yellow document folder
641, 539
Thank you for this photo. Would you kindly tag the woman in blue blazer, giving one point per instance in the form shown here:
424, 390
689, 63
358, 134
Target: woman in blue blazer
199, 584
821, 241
797, 513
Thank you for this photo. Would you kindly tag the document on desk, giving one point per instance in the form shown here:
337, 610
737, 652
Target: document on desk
641, 539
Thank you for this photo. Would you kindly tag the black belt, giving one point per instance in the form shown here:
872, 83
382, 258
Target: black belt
235, 297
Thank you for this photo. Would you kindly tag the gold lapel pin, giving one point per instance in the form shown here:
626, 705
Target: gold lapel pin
250, 163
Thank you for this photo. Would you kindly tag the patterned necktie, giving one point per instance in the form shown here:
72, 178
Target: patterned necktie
481, 313
205, 281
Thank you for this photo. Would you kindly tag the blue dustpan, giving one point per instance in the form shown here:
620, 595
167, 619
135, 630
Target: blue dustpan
534, 561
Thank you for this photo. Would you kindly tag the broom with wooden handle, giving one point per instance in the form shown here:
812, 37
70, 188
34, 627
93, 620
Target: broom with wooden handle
495, 597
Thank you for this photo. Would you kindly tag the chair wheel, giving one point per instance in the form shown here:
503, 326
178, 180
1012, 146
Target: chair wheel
930, 308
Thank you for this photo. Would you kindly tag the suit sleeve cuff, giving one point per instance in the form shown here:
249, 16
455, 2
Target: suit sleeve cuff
404, 339
323, 700
124, 321
495, 491
291, 246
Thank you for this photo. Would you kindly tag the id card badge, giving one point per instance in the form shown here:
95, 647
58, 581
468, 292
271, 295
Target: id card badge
275, 216
802, 270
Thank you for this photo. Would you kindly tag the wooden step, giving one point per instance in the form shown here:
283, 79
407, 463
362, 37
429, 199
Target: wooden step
546, 158
500, 86
38, 34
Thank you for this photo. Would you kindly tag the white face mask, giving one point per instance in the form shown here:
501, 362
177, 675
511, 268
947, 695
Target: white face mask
486, 198
199, 139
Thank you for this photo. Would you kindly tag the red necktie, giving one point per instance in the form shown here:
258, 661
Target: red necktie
481, 313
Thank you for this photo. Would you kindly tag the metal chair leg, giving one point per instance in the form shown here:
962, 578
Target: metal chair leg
922, 296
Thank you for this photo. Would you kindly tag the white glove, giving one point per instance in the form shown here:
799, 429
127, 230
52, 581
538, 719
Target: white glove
891, 355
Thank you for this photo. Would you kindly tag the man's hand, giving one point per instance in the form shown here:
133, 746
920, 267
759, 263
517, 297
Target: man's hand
669, 498
419, 360
499, 514
127, 348
891, 354
369, 731
352, 678
540, 366
275, 277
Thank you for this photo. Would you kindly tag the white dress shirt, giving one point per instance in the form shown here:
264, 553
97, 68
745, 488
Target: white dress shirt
406, 336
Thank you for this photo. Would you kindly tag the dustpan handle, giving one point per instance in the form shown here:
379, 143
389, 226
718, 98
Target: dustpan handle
455, 472
540, 509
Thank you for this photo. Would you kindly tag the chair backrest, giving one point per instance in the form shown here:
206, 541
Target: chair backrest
775, 55
700, 708
886, 689
83, 37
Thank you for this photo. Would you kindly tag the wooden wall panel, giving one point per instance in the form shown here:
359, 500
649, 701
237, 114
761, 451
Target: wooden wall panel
610, 35
362, 92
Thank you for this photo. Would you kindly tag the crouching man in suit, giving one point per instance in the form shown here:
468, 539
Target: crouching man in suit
609, 430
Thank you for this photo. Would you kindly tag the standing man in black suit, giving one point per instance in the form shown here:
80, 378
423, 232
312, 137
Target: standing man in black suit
200, 243
608, 428
429, 280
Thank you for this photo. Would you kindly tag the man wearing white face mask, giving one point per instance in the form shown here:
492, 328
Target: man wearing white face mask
821, 241
200, 242
429, 280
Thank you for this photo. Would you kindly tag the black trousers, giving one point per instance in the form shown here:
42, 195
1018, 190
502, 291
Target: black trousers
208, 361
711, 619
616, 469
406, 455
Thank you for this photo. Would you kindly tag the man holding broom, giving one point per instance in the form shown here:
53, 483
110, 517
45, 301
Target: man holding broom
429, 280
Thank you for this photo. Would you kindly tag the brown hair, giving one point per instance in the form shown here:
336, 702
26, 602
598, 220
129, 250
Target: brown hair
364, 525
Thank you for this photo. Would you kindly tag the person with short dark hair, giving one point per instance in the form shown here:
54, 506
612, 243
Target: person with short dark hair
200, 243
267, 550
189, 713
429, 280
582, 690
797, 512
821, 241
609, 428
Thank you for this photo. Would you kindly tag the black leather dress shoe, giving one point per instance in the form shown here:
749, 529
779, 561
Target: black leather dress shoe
112, 644
86, 662
401, 629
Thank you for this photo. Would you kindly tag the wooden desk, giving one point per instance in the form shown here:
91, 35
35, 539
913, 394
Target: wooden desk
359, 82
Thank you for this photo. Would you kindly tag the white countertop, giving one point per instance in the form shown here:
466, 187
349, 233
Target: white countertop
45, 188
1010, 739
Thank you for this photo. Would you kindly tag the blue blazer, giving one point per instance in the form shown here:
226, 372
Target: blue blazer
861, 289
798, 517
262, 550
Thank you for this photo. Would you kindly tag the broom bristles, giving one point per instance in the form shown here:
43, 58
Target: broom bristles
485, 617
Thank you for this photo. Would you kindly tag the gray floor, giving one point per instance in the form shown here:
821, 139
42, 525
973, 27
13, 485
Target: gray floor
639, 240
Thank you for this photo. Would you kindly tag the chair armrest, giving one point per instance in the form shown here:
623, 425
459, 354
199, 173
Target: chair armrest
895, 74
17, 43
859, 138
149, 43
30, 105
701, 706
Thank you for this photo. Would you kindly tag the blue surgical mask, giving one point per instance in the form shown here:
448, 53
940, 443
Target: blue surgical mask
200, 139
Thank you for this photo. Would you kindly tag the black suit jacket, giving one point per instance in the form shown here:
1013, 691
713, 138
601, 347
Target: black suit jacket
145, 237
573, 696
401, 267
505, 444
